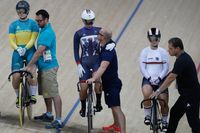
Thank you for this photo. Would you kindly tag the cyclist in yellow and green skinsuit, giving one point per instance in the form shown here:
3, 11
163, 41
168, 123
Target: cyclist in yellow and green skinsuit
22, 35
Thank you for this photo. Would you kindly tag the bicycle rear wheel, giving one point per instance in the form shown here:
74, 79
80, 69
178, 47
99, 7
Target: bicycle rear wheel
21, 104
90, 113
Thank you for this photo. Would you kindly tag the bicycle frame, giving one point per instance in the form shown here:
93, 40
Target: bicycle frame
155, 124
24, 100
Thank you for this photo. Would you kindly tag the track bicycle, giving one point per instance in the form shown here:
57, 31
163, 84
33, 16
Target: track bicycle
155, 123
90, 101
24, 96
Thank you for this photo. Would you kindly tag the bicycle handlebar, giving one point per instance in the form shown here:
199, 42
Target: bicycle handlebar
22, 72
96, 82
151, 99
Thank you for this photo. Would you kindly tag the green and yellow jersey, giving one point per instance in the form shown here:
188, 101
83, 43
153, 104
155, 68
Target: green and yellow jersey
23, 33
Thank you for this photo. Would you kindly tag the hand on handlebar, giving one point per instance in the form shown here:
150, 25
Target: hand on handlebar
29, 68
155, 94
90, 81
26, 69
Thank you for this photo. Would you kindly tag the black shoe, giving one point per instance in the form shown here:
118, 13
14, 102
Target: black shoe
98, 108
82, 112
164, 126
44, 117
147, 120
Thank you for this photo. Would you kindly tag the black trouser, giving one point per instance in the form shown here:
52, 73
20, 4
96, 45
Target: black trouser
183, 105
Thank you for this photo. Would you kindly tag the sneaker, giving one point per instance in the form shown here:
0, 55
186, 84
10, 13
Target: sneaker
147, 120
98, 108
17, 102
112, 127
82, 112
55, 124
44, 117
33, 99
164, 126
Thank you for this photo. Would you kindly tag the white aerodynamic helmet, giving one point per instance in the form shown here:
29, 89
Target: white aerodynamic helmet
88, 14
88, 17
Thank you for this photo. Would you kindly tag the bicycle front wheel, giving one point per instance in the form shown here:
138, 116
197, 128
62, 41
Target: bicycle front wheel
154, 118
21, 104
29, 112
90, 113
28, 104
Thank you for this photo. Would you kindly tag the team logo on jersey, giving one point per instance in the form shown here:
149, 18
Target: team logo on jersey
157, 58
90, 45
18, 27
188, 105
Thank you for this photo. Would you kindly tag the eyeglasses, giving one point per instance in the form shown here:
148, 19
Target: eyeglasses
21, 11
101, 34
88, 22
154, 38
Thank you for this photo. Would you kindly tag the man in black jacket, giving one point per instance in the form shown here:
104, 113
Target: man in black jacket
185, 73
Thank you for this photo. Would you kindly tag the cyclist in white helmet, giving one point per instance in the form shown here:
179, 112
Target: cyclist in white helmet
86, 39
154, 66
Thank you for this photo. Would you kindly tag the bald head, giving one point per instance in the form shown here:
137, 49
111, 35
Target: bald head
107, 33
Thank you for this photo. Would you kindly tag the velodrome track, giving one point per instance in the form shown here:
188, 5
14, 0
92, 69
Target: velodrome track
129, 20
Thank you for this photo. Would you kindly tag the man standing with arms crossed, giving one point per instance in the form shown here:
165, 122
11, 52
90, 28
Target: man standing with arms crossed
185, 73
45, 56
108, 72
22, 36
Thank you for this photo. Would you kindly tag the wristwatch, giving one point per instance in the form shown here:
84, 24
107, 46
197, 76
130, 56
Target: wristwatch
158, 90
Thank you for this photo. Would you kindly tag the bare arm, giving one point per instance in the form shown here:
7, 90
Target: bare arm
170, 78
100, 71
37, 54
